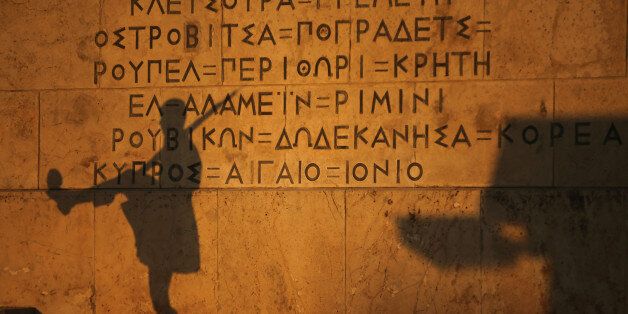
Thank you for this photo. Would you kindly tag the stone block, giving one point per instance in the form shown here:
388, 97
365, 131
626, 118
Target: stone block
19, 139
413, 251
546, 39
47, 259
48, 44
144, 234
281, 251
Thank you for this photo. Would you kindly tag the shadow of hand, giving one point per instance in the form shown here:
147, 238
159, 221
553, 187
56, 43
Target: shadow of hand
54, 180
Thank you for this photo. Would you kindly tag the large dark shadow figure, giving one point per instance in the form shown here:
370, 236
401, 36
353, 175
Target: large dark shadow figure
580, 233
164, 226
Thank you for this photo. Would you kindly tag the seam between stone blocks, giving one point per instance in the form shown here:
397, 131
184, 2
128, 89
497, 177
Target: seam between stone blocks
38, 139
93, 301
345, 247
369, 83
385, 188
553, 119
482, 191
482, 194
217, 281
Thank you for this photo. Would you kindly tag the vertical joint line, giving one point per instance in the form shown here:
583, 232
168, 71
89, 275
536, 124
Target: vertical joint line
100, 14
219, 65
351, 40
94, 253
38, 139
482, 195
484, 37
217, 282
553, 120
345, 247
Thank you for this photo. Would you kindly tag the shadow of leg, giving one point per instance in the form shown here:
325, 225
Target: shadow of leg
159, 283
